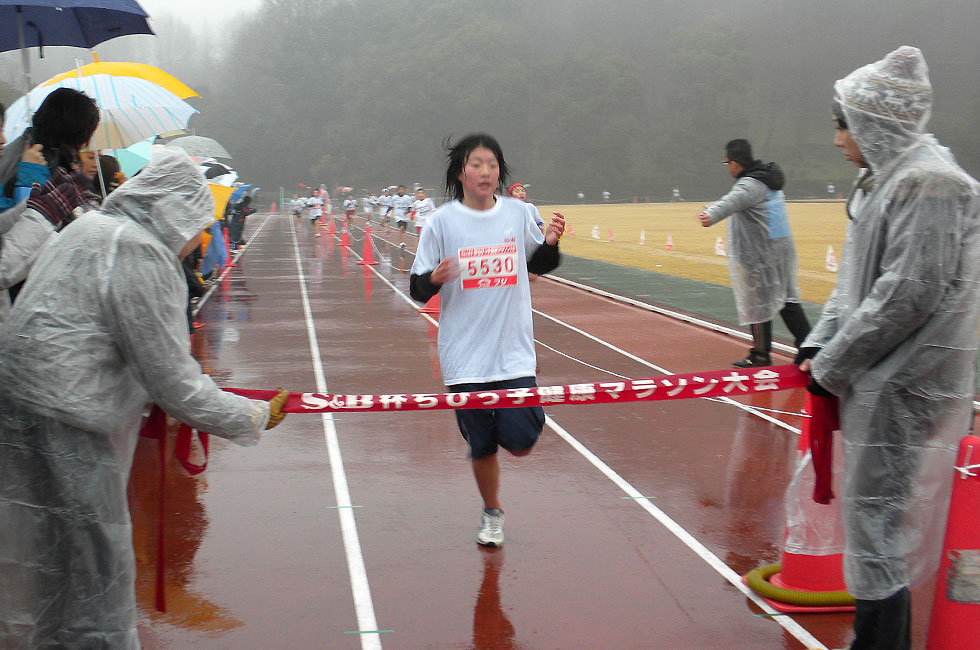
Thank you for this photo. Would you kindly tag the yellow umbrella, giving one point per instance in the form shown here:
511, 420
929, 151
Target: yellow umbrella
221, 195
123, 69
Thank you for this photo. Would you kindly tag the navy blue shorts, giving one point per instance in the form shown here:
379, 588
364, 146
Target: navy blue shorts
514, 429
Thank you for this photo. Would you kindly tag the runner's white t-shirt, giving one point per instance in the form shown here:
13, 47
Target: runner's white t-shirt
485, 330
385, 202
350, 204
402, 205
423, 209
316, 206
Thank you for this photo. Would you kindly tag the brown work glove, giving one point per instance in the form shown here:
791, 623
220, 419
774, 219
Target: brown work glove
275, 408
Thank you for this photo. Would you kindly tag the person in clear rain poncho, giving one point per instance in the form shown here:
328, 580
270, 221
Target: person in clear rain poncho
98, 333
761, 256
897, 338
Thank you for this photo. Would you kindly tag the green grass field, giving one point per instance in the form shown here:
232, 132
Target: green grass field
815, 227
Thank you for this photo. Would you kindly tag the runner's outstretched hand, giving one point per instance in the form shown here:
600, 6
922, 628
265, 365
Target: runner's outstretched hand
555, 229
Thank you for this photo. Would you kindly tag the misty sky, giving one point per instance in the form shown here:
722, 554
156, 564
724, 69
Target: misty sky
210, 12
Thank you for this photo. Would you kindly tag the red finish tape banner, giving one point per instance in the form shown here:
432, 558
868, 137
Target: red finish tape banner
718, 383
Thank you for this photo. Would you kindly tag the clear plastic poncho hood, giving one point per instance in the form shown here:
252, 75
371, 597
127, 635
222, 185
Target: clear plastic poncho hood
887, 104
169, 197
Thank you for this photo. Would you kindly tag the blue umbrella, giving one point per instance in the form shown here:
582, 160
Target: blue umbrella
216, 255
78, 23
237, 194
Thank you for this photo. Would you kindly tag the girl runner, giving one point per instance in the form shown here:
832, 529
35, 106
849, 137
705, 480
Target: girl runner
476, 252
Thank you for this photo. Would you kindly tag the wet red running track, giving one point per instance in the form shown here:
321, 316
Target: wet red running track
264, 549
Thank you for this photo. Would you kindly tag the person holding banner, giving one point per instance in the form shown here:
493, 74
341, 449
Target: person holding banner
476, 252
99, 333
897, 339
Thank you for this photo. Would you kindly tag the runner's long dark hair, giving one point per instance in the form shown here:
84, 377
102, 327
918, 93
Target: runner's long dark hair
456, 154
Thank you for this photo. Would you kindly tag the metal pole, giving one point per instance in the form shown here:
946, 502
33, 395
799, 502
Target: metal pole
25, 58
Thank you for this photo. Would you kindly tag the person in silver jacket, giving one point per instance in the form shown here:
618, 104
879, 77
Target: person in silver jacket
762, 259
897, 338
98, 333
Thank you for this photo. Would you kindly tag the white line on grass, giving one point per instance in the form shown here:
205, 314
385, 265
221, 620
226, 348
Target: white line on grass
363, 606
790, 625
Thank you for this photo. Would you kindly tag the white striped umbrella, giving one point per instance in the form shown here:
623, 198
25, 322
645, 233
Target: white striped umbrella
131, 109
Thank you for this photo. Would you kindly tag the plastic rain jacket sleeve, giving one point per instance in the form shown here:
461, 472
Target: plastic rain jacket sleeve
900, 337
754, 275
99, 330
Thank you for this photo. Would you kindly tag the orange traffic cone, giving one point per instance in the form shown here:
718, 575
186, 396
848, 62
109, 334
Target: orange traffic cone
803, 583
670, 243
344, 237
433, 306
330, 230
367, 257
955, 623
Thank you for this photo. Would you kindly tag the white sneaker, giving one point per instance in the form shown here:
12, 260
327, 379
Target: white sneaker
491, 531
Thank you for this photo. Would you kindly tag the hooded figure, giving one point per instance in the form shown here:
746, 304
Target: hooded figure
98, 333
897, 338
754, 272
762, 257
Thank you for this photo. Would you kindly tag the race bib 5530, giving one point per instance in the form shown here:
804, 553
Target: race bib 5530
484, 267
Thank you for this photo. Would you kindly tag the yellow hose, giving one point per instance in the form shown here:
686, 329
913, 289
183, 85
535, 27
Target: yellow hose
758, 581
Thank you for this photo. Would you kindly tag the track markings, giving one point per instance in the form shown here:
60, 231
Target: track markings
360, 588
789, 624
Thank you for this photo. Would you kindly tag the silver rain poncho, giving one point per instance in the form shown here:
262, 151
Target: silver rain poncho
899, 332
754, 270
98, 332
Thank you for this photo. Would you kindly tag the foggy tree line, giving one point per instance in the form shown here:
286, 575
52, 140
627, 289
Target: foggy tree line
584, 95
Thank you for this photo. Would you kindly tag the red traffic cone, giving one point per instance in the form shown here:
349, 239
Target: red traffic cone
330, 230
367, 257
955, 623
611, 235
830, 261
670, 243
344, 237
224, 231
433, 306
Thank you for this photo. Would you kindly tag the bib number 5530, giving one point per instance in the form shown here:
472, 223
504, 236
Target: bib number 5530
488, 266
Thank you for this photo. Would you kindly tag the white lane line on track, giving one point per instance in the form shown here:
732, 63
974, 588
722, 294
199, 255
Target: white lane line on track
738, 334
629, 355
725, 400
360, 589
790, 625
204, 298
